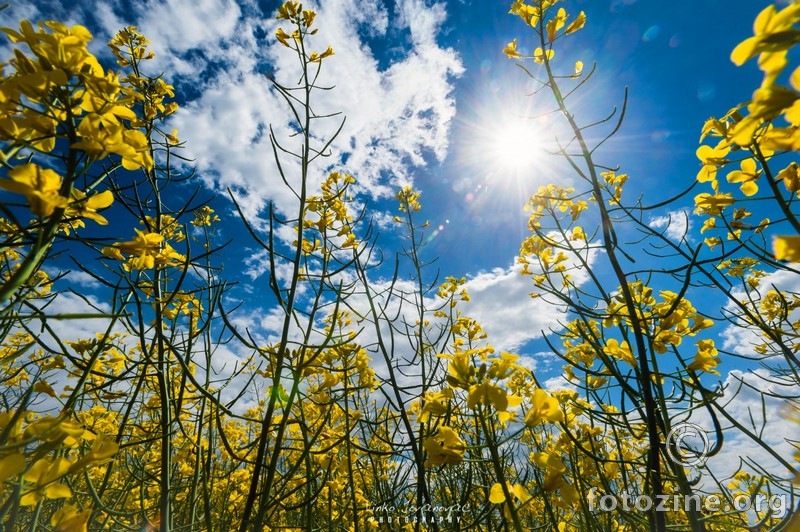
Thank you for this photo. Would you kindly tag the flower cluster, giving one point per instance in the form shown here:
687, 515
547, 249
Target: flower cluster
302, 20
146, 251
754, 133
327, 224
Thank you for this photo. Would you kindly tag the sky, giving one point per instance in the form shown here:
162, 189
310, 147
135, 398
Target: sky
430, 100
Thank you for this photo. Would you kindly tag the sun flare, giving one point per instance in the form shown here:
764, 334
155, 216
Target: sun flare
515, 146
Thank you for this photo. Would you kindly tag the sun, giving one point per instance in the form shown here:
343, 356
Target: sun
515, 145
506, 146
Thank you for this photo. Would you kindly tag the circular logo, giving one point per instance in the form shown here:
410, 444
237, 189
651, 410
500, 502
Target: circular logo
687, 444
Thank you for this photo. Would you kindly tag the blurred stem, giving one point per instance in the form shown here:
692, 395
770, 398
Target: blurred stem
491, 440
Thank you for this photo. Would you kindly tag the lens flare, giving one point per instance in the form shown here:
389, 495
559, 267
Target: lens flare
515, 146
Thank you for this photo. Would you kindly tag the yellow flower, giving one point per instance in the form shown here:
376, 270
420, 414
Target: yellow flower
706, 358
711, 159
747, 176
544, 407
146, 251
460, 370
203, 217
44, 474
11, 465
409, 200
540, 56
772, 31
619, 350
578, 69
289, 10
68, 519
445, 448
493, 394
529, 14
594, 382
61, 48
576, 24
711, 223
556, 23
496, 495
504, 366
511, 50
705, 203
84, 207
40, 185
103, 450
554, 468
145, 245
282, 37
790, 177
101, 137
578, 233
308, 17
436, 403
172, 138
786, 248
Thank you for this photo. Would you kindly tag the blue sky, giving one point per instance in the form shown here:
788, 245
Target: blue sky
427, 93
444, 61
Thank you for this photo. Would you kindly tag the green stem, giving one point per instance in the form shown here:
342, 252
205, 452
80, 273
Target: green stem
656, 520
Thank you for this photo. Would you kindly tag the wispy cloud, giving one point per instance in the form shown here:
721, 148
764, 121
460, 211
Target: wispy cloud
675, 224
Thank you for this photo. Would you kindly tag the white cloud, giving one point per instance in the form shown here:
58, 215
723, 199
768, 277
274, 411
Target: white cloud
676, 224
558, 383
741, 338
82, 279
183, 25
754, 400
18, 11
500, 301
394, 115
423, 21
109, 22
75, 329
754, 397
221, 129
215, 51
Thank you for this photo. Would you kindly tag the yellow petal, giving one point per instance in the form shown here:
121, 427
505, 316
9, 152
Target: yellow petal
101, 201
749, 188
521, 493
57, 491
786, 248
11, 465
44, 387
576, 24
744, 51
496, 495
790, 177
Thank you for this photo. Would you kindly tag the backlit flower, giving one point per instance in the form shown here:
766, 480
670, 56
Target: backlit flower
40, 185
445, 448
